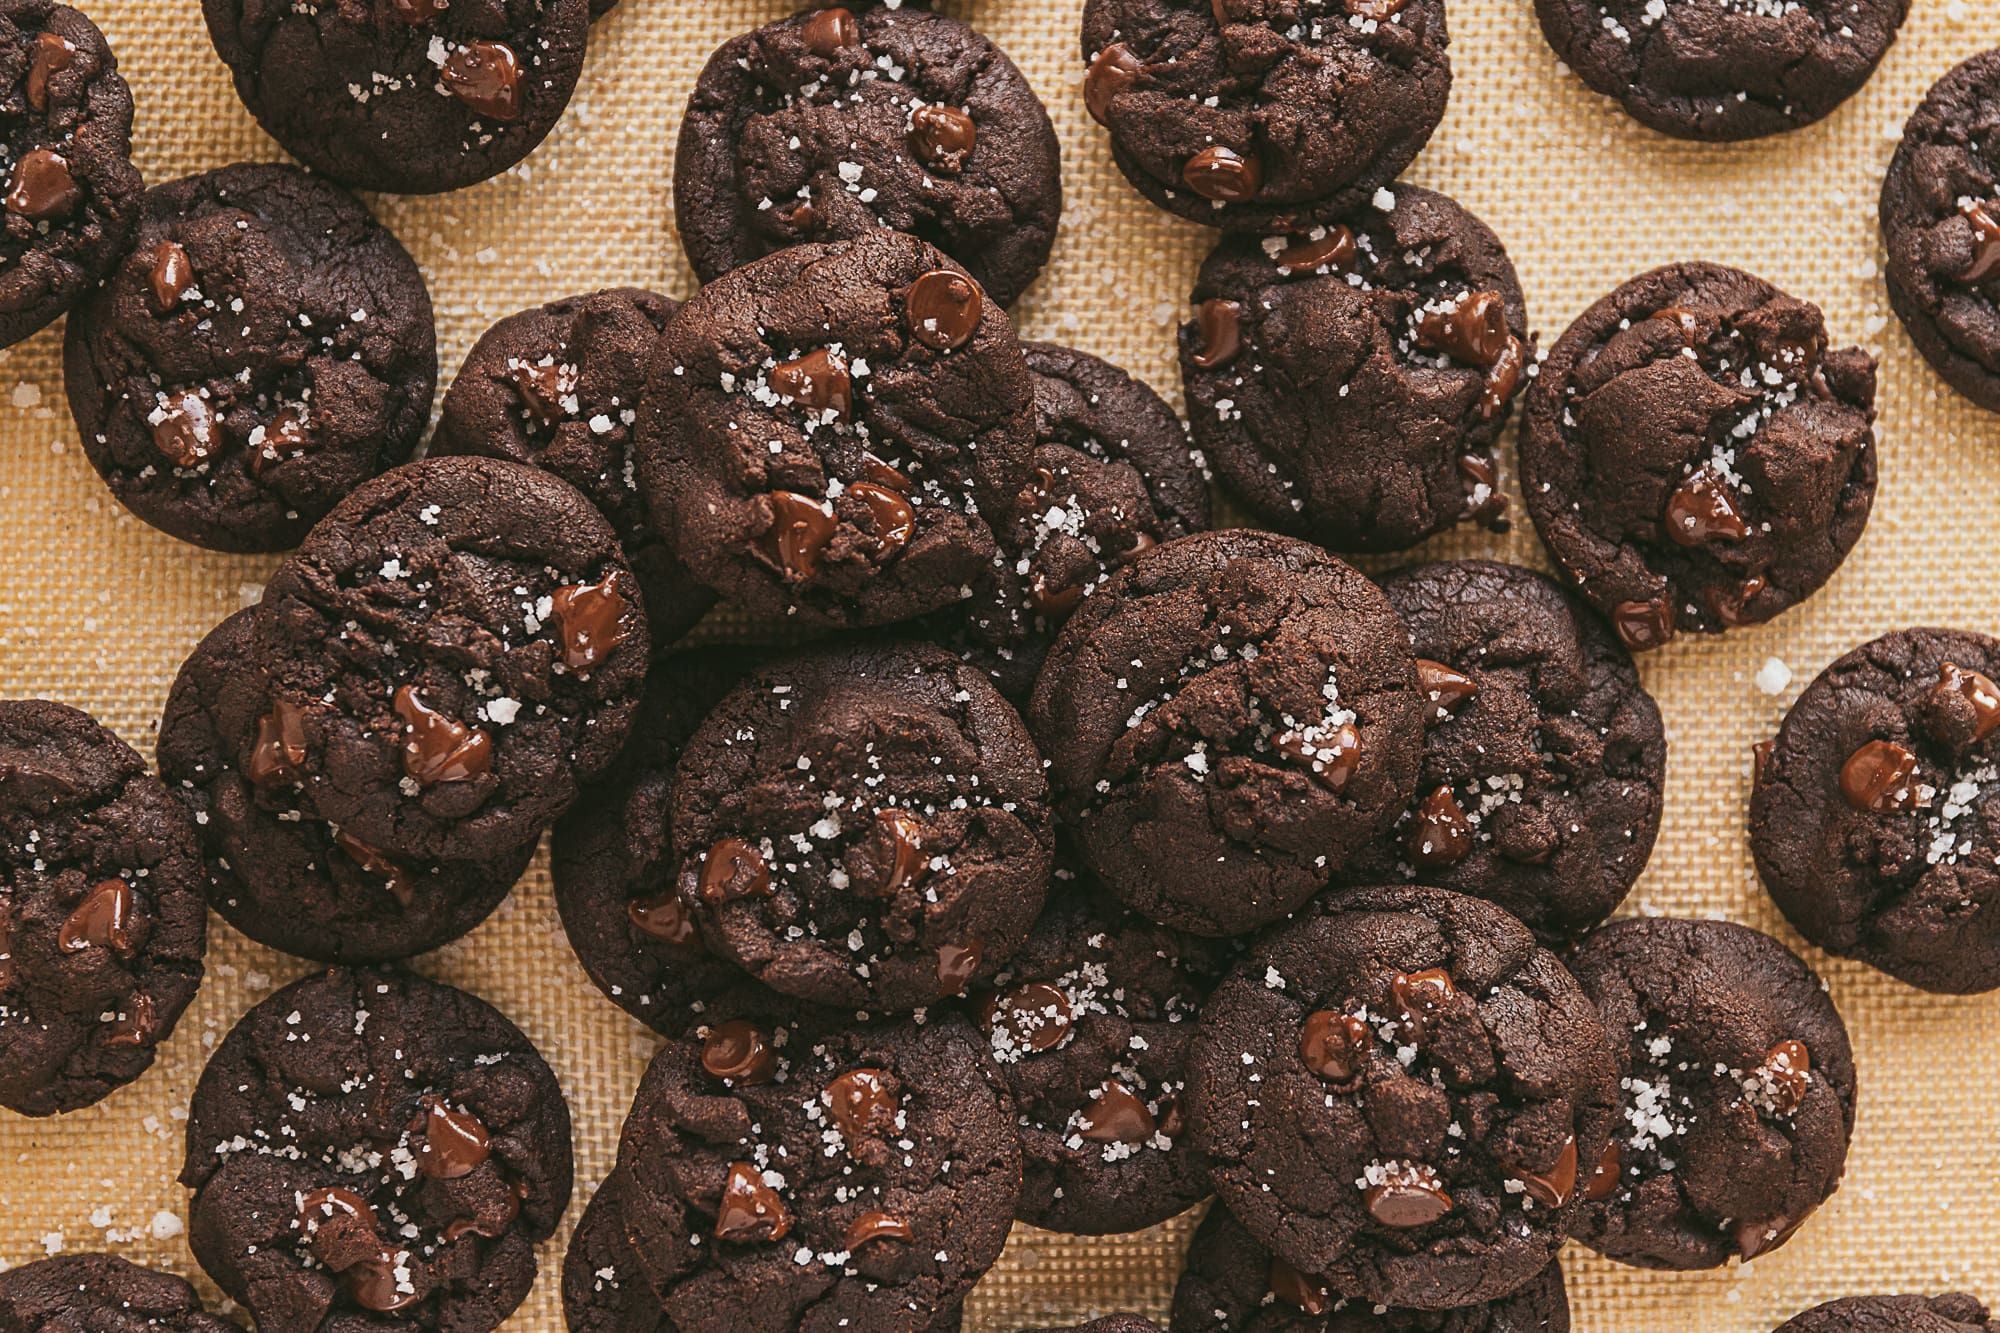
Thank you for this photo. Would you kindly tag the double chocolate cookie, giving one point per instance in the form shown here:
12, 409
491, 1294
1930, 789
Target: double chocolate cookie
1875, 818
557, 387
1544, 760
1953, 1312
1258, 114
281, 877
1396, 1092
412, 96
1941, 228
102, 927
366, 1144
264, 348
102, 1293
72, 192
831, 435
1228, 723
832, 124
603, 1288
1737, 1091
456, 648
1234, 1285
1349, 380
1695, 455
863, 827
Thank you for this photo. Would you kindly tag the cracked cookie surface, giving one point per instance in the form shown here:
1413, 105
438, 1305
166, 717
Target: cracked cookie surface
103, 1293
1953, 1312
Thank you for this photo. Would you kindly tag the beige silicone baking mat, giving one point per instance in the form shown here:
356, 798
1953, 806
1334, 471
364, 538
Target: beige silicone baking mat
97, 609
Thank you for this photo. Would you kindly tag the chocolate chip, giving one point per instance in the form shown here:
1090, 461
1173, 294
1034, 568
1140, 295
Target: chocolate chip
1115, 1115
1115, 69
1333, 251
895, 521
1472, 329
1440, 834
592, 619
818, 382
733, 870
1755, 1238
455, 1142
284, 438
1446, 690
1702, 510
1291, 1286
138, 1025
800, 529
894, 850
880, 473
170, 277
1037, 1014
1786, 1075
53, 53
1223, 174
184, 429
1421, 997
1053, 602
1604, 1177
437, 748
943, 309
1335, 1046
863, 1105
1643, 626
395, 876
544, 388
957, 965
43, 190
1502, 378
831, 29
1408, 1196
666, 919
1553, 1187
280, 747
750, 1211
101, 920
1221, 325
376, 1282
1985, 242
1330, 755
942, 137
485, 76
1955, 683
1730, 604
873, 1225
1877, 778
739, 1051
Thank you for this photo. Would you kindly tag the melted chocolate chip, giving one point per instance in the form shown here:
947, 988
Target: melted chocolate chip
666, 919
169, 278
1335, 251
862, 1105
455, 1142
943, 309
485, 76
395, 876
1755, 1238
880, 473
280, 747
1223, 174
1335, 1046
1115, 69
733, 870
818, 382
739, 1051
101, 920
9, 972
1440, 834
1729, 605
1787, 1074
957, 965
1976, 690
1446, 690
137, 1025
1221, 325
1422, 996
43, 190
1604, 1177
1409, 1196
1294, 1288
437, 748
1985, 242
1643, 626
893, 517
1472, 329
896, 844
800, 529
873, 1225
831, 29
1552, 1188
1502, 378
323, 1205
1877, 778
1331, 758
1702, 510
544, 390
1053, 602
750, 1211
184, 429
285, 437
943, 138
1115, 1115
592, 618
1037, 1014
53, 53
376, 1282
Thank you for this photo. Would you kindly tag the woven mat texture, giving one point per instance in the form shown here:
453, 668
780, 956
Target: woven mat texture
97, 609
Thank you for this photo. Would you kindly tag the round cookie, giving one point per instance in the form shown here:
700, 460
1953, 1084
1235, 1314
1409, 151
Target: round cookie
557, 386
833, 123
286, 880
1941, 228
1875, 815
831, 435
1090, 1023
1695, 456
612, 860
1737, 1090
863, 827
461, 645
1349, 381
1395, 1092
1544, 759
102, 927
264, 348
1251, 114
72, 193
367, 1143
1234, 1285
811, 1176
411, 97
603, 1288
1732, 69
1953, 1312
104, 1294
1228, 722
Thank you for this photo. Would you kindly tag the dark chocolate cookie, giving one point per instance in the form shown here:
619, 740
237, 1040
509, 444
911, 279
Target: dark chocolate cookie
603, 1288
1544, 759
1228, 723
412, 96
863, 827
1694, 454
558, 387
797, 1176
1258, 114
1738, 1093
1941, 228
368, 1143
1234, 1285
1396, 1092
458, 646
102, 927
1725, 69
612, 859
266, 347
103, 1294
832, 124
1349, 382
1114, 1323
1875, 818
72, 191
1953, 1312
832, 434
1090, 1023
286, 880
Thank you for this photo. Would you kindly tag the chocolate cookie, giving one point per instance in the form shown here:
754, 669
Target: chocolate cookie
1694, 454
72, 191
832, 124
264, 348
793, 1175
1116, 1323
863, 827
1234, 1285
412, 97
603, 1288
1090, 1023
1349, 381
1255, 114
1544, 759
1953, 1312
1738, 1093
831, 435
282, 878
458, 646
102, 927
612, 860
1731, 69
102, 1293
368, 1143
1228, 723
1875, 817
558, 387
1396, 1091
1941, 228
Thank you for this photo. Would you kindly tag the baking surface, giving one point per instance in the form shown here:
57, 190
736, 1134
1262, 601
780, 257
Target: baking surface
97, 609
